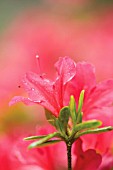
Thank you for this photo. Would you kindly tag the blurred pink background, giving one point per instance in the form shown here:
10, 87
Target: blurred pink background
51, 29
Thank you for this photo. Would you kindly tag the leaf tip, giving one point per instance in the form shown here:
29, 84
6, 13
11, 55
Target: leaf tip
30, 146
110, 128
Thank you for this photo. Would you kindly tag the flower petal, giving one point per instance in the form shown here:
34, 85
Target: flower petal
66, 69
102, 141
107, 162
40, 90
83, 80
86, 160
17, 99
101, 96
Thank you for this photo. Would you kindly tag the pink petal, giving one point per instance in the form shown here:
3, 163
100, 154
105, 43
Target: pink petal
17, 99
102, 141
28, 101
87, 160
30, 167
100, 96
40, 90
84, 79
37, 87
107, 162
103, 93
66, 69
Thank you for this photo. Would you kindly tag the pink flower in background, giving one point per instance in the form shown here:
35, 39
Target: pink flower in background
4, 154
17, 156
46, 158
86, 160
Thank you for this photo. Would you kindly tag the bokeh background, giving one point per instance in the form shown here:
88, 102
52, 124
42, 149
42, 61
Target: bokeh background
81, 29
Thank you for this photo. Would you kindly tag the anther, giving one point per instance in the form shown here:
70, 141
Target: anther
38, 64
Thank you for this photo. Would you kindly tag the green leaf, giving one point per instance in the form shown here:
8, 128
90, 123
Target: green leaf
50, 117
60, 129
34, 137
43, 140
72, 107
94, 131
58, 125
79, 117
85, 125
88, 124
80, 103
64, 118
47, 143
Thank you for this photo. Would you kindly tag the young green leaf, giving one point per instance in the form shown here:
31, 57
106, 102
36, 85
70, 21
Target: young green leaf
80, 103
64, 118
47, 143
50, 117
43, 140
34, 137
88, 124
58, 125
72, 107
94, 131
79, 117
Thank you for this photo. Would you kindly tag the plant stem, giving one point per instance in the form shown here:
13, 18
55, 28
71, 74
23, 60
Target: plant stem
69, 146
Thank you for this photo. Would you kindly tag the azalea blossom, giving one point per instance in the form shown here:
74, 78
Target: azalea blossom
71, 78
50, 94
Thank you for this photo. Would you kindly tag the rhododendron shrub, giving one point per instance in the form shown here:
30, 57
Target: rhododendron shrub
72, 103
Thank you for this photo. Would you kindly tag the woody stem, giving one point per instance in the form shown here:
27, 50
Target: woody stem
69, 146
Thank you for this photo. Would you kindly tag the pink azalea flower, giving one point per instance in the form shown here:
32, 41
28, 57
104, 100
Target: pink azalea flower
45, 158
15, 155
49, 94
70, 80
